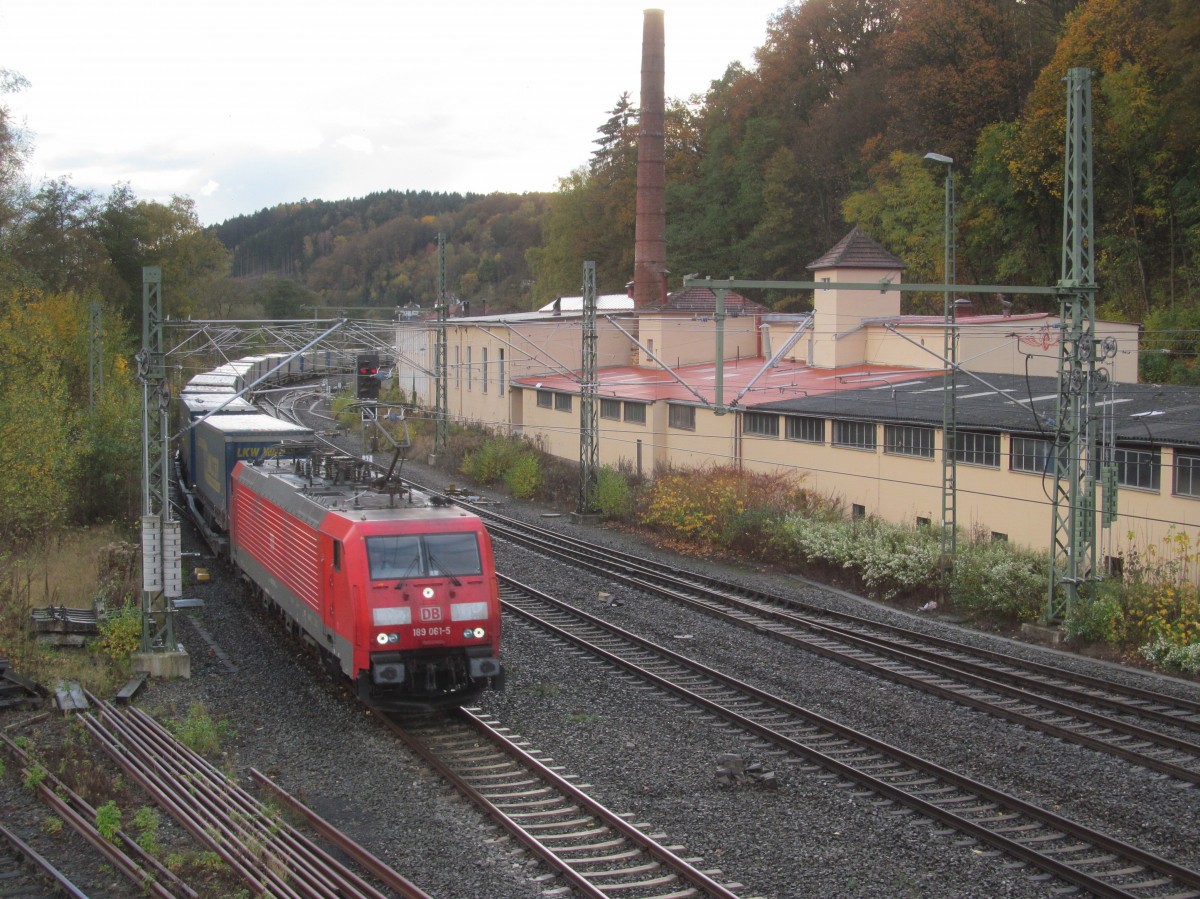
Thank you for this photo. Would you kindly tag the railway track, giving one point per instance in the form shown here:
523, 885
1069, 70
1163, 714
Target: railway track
268, 854
1074, 853
595, 851
27, 874
1152, 730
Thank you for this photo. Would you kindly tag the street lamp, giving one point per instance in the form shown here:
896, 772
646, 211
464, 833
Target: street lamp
949, 385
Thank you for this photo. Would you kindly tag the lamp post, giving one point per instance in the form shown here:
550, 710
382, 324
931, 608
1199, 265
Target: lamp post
949, 385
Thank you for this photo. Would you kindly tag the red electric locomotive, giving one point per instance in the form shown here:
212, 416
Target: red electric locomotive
397, 593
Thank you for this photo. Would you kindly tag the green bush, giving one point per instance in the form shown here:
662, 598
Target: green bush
146, 823
614, 497
489, 463
1096, 619
895, 560
890, 560
199, 732
121, 632
749, 533
523, 476
1172, 657
998, 580
108, 820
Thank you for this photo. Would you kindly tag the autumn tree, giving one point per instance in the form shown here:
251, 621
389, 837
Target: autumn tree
56, 239
282, 299
957, 66
39, 421
14, 146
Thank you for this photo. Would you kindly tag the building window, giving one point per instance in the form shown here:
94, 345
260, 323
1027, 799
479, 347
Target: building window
1187, 475
635, 413
923, 522
457, 373
562, 402
470, 372
907, 440
500, 379
997, 537
545, 399
1137, 468
857, 511
610, 409
803, 427
854, 434
1031, 454
485, 371
763, 424
682, 417
975, 448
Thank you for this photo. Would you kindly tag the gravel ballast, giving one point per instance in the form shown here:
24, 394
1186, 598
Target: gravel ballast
798, 832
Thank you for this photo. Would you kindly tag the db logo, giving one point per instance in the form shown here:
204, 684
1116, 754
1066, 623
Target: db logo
431, 613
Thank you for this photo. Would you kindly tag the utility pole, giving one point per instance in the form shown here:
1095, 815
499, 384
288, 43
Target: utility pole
1075, 453
161, 543
441, 438
949, 542
589, 413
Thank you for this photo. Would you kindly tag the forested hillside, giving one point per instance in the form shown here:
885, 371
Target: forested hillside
380, 250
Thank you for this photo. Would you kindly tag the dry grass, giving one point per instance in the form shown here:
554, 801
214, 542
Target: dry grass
63, 571
71, 569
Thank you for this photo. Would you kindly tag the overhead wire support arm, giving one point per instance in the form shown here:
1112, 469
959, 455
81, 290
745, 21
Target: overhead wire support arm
775, 357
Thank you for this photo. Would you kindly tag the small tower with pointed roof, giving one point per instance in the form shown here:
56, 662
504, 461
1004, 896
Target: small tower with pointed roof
840, 337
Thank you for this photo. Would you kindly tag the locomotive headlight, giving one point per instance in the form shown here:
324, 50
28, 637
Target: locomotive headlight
427, 593
479, 633
381, 639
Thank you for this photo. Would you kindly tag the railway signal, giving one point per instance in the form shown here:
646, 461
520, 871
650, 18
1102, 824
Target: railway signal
368, 376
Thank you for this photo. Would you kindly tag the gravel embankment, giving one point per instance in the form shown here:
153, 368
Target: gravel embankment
805, 834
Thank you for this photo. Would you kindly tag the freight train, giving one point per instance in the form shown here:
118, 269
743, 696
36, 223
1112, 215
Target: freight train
396, 591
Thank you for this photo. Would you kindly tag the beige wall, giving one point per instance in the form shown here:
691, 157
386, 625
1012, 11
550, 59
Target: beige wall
683, 340
517, 350
897, 488
838, 314
993, 500
651, 445
998, 347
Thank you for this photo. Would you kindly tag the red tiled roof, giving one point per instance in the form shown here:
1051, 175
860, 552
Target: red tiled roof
787, 380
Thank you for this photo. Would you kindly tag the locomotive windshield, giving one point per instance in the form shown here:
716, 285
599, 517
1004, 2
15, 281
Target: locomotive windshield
423, 555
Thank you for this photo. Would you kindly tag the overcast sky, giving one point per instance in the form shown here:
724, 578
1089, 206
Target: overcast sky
243, 105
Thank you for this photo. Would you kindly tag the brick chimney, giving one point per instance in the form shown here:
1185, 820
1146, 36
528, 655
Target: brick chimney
650, 229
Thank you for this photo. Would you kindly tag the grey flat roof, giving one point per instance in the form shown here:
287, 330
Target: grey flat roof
1141, 413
